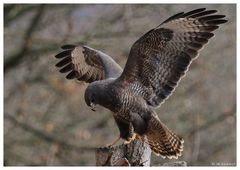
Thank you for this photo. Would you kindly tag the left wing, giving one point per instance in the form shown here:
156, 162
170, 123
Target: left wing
86, 64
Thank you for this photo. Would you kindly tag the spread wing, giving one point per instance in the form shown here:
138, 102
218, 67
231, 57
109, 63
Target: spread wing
159, 59
86, 64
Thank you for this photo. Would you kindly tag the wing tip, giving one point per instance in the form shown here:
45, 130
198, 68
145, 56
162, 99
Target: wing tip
200, 12
67, 68
217, 22
64, 62
69, 60
71, 75
63, 54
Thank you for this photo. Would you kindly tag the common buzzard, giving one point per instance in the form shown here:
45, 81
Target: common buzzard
156, 63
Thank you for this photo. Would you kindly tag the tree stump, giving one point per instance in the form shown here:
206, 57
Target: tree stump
137, 153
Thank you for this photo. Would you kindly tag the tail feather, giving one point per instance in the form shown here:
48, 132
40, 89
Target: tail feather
162, 141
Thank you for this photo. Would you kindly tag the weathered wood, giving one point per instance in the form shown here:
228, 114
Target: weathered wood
137, 153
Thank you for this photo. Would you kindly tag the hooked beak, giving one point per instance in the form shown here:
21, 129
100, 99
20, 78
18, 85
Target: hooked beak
92, 105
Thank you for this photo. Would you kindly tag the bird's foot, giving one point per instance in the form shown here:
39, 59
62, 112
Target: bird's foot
130, 139
113, 143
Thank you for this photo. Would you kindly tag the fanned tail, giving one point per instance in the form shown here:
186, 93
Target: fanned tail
162, 141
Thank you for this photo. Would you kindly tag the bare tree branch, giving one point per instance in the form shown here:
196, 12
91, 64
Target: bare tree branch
15, 11
46, 137
16, 58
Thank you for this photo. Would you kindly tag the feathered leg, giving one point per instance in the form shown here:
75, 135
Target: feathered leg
131, 137
126, 132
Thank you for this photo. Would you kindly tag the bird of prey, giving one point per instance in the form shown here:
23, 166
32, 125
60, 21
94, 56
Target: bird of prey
156, 63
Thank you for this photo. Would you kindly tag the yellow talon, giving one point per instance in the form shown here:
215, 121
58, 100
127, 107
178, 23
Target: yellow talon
130, 139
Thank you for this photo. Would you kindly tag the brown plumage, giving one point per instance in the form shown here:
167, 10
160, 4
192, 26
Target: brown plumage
156, 63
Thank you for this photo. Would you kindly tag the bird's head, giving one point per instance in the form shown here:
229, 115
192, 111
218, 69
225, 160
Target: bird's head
99, 92
90, 97
93, 94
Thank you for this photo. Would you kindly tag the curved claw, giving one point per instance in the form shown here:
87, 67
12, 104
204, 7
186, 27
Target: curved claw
130, 139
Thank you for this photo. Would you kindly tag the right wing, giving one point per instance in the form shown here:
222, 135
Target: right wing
160, 58
86, 64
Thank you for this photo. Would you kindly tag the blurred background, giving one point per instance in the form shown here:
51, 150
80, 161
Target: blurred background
46, 121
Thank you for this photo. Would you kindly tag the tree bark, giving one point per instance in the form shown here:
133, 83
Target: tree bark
137, 153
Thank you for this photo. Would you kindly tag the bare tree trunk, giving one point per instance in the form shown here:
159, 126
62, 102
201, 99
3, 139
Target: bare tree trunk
137, 153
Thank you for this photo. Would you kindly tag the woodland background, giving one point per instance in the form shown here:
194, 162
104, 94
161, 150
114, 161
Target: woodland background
46, 121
